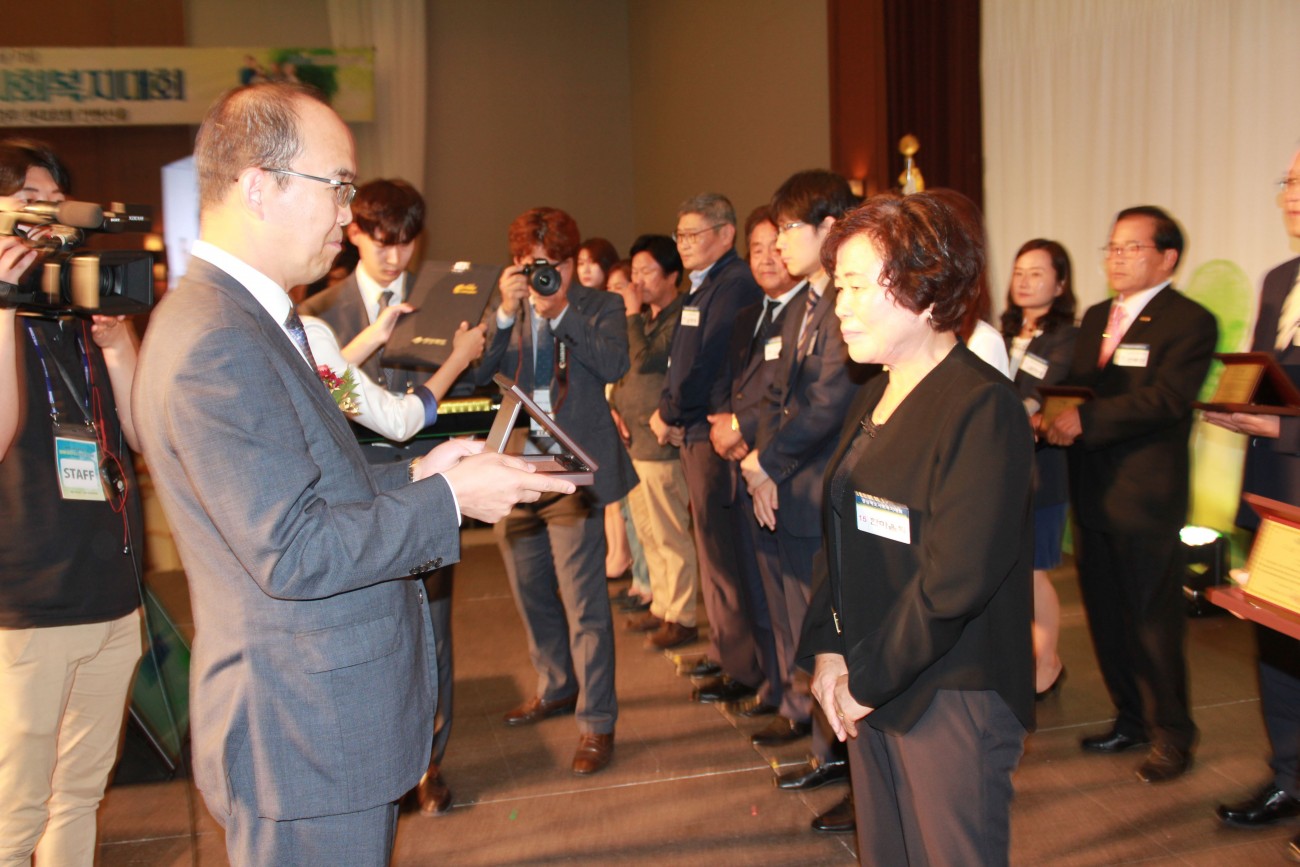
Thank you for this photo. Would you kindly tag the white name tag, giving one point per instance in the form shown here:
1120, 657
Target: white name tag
1033, 365
78, 462
772, 349
1131, 355
883, 518
691, 317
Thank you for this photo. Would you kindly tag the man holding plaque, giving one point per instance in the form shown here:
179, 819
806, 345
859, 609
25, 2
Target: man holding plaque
1144, 354
1273, 471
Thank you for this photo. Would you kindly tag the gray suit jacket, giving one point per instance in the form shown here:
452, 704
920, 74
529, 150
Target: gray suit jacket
312, 680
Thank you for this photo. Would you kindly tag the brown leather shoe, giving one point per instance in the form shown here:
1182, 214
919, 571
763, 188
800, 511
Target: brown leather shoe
643, 622
671, 634
594, 753
537, 708
432, 793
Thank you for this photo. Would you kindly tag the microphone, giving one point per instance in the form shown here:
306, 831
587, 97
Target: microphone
80, 215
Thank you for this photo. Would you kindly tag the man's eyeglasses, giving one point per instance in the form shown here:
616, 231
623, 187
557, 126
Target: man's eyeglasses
681, 237
344, 191
790, 226
1288, 185
1124, 251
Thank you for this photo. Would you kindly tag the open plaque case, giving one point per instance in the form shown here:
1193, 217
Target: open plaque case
570, 463
1252, 382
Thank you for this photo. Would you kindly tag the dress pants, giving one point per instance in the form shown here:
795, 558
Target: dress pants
1132, 592
940, 793
554, 553
1279, 700
717, 540
361, 839
63, 696
789, 595
660, 505
759, 564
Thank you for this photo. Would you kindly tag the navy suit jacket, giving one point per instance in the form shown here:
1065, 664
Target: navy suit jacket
594, 334
1273, 466
1056, 347
1129, 468
312, 678
699, 351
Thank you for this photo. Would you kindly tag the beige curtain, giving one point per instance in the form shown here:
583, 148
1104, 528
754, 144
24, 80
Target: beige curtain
393, 144
1094, 105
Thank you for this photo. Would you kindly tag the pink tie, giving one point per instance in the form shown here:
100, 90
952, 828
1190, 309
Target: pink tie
1113, 335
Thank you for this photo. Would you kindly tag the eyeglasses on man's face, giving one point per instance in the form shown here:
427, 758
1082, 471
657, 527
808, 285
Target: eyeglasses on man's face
1124, 251
684, 237
1288, 185
344, 191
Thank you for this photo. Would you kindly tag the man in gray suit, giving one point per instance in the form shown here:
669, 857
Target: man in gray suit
312, 681
564, 346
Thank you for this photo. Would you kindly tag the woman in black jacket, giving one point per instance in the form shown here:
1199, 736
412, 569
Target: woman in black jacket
920, 622
1039, 328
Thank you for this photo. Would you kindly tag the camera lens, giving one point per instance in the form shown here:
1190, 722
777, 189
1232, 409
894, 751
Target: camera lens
543, 277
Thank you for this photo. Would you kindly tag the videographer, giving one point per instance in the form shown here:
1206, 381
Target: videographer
69, 599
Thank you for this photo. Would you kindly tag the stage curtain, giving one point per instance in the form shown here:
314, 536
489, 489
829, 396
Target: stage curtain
1091, 106
394, 144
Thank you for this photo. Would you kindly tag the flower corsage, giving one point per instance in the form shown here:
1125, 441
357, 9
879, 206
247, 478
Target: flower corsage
342, 388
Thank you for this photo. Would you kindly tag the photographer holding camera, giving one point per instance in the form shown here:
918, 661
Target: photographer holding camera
563, 343
69, 600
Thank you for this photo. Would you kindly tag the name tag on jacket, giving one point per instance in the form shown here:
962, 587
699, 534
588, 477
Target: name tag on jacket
1132, 355
1034, 366
691, 317
772, 349
884, 518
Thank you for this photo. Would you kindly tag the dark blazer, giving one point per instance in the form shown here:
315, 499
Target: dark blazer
952, 609
1056, 347
1129, 469
312, 678
343, 309
1273, 466
636, 395
809, 396
594, 334
698, 352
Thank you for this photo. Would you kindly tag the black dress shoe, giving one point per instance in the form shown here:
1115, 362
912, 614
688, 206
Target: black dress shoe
1270, 804
704, 668
780, 731
838, 819
537, 708
1111, 742
725, 690
812, 775
1164, 763
758, 708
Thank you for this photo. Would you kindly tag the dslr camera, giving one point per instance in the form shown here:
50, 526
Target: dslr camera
63, 281
543, 277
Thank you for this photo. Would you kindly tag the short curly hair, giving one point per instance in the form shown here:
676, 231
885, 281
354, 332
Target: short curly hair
931, 258
555, 230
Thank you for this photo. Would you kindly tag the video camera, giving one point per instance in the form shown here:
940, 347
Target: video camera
109, 282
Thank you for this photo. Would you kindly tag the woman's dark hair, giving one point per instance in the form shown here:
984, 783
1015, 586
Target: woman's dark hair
17, 155
603, 252
622, 266
663, 250
930, 257
1062, 310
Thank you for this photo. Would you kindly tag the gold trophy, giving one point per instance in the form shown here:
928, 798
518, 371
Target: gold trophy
910, 180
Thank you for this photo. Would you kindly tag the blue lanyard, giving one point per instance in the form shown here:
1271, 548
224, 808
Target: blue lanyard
82, 402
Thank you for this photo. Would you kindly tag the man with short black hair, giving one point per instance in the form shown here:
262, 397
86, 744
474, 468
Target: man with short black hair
1144, 354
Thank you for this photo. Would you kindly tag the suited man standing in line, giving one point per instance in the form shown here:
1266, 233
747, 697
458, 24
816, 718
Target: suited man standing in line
811, 394
387, 222
564, 347
1273, 471
740, 399
1145, 354
721, 284
313, 680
